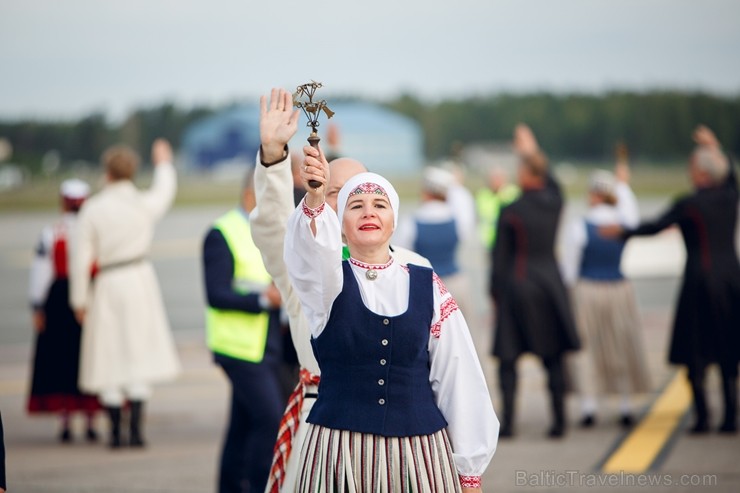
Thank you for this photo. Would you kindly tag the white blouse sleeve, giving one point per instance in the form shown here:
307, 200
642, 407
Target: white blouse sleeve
41, 269
629, 213
462, 203
460, 387
273, 187
314, 263
161, 194
570, 261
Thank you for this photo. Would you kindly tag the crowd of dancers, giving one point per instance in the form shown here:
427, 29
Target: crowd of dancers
343, 326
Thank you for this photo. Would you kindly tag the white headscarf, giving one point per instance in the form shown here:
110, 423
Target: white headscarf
74, 189
603, 182
367, 183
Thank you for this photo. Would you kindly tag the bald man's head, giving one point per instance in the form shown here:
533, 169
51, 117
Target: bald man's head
341, 170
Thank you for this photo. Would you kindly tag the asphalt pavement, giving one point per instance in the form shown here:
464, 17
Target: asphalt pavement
186, 417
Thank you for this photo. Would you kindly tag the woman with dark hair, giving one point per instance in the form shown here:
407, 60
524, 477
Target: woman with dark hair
57, 347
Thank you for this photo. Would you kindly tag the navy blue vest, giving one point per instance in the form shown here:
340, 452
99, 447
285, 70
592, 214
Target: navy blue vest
601, 256
375, 368
438, 243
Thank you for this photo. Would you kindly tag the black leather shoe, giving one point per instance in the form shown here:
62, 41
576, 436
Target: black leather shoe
506, 431
700, 428
728, 427
557, 431
588, 421
626, 420
91, 435
65, 436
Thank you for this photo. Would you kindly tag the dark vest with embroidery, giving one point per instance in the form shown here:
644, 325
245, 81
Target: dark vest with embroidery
601, 256
375, 368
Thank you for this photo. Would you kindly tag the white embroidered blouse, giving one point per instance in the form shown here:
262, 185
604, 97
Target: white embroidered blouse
315, 268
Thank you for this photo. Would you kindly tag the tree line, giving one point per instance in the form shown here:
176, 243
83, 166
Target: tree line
654, 125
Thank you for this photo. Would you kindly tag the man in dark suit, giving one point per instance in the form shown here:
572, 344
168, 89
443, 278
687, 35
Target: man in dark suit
533, 313
706, 327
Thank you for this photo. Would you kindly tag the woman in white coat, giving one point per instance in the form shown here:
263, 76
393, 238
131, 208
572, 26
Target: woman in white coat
127, 343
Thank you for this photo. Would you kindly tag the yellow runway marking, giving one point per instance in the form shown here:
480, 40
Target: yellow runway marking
640, 449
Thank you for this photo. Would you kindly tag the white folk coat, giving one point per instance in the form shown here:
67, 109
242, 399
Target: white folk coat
126, 337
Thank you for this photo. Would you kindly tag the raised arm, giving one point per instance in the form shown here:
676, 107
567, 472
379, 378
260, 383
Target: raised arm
705, 137
525, 144
629, 215
161, 194
313, 246
273, 185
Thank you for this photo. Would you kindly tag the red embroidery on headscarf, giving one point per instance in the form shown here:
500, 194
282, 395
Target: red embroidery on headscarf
368, 187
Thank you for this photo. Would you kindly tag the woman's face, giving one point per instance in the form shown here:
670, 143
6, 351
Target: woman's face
368, 220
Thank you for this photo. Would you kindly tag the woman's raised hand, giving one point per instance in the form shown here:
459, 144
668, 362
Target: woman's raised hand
278, 124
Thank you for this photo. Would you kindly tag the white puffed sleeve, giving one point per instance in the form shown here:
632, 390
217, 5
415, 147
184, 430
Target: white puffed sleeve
314, 263
41, 274
460, 387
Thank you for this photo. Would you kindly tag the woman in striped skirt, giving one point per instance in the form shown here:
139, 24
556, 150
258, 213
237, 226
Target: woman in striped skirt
403, 405
613, 359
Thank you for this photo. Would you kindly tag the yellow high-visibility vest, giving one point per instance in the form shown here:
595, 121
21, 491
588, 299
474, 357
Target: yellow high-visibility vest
489, 205
236, 333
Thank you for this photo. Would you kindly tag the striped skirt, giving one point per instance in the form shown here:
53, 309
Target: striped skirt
613, 357
341, 461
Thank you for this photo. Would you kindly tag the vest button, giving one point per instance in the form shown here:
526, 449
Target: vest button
386, 321
381, 401
381, 382
383, 361
384, 342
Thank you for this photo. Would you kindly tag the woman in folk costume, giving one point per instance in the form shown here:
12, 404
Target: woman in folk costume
613, 359
403, 404
57, 353
436, 231
127, 343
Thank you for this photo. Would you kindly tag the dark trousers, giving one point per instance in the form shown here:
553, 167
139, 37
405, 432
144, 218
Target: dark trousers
555, 383
257, 404
729, 390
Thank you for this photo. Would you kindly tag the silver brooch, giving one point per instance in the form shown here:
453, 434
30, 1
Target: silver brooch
371, 274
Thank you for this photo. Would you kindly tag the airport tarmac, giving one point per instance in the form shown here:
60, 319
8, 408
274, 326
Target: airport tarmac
186, 417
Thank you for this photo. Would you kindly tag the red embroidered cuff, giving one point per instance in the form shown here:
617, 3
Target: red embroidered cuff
312, 213
470, 481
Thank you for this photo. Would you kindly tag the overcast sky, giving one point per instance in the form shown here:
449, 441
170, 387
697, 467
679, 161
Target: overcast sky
68, 58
